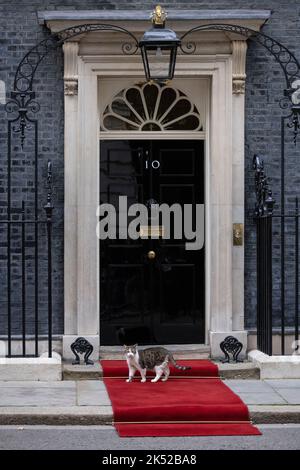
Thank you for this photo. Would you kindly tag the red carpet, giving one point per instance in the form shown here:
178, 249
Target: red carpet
191, 403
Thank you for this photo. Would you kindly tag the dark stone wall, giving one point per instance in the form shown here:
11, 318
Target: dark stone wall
19, 31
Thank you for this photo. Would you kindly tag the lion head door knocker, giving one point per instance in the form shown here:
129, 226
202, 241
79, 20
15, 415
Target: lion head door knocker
231, 345
82, 346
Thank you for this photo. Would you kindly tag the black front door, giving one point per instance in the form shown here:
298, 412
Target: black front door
151, 289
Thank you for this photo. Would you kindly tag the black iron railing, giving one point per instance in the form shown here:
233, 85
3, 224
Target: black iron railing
264, 216
21, 232
23, 107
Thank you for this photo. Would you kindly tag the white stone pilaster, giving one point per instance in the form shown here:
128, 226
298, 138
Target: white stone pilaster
221, 200
239, 50
233, 323
70, 170
81, 197
87, 202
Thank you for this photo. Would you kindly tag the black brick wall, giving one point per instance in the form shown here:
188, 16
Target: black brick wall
19, 30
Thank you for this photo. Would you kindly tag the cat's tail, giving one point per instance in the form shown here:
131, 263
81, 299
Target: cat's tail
172, 360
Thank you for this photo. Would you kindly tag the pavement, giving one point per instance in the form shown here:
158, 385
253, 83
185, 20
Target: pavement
87, 402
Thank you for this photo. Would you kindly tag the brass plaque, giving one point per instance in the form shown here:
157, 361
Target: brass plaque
238, 234
152, 231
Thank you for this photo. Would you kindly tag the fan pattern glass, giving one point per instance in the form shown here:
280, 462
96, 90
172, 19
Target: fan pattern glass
151, 107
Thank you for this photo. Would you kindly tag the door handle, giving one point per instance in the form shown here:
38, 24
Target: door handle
151, 254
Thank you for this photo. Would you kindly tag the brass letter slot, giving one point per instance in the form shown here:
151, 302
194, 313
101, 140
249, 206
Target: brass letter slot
152, 231
238, 234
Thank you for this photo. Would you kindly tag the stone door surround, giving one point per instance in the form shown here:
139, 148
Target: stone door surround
220, 57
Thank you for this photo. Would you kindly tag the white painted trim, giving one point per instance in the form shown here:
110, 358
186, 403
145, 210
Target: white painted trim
133, 135
173, 14
207, 214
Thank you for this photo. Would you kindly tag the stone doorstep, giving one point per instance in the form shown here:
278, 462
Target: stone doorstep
180, 351
242, 370
82, 372
102, 415
177, 355
94, 372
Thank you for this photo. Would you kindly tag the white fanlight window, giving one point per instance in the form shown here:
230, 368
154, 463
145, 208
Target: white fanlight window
151, 107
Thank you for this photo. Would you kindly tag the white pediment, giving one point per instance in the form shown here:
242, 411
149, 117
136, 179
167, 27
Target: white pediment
138, 21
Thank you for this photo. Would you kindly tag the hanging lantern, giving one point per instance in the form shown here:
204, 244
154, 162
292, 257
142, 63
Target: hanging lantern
159, 49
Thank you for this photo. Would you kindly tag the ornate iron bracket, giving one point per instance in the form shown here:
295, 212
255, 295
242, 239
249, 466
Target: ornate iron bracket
285, 58
82, 346
231, 345
25, 73
264, 205
22, 104
22, 98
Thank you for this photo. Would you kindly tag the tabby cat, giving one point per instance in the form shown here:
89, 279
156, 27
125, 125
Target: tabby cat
156, 359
